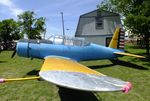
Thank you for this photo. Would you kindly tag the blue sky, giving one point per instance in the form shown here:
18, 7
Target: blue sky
50, 9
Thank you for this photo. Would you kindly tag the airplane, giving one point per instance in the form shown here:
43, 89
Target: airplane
61, 62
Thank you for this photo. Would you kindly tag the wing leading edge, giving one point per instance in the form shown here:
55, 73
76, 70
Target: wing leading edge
70, 74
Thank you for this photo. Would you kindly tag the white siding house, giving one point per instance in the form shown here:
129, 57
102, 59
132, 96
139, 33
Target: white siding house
97, 26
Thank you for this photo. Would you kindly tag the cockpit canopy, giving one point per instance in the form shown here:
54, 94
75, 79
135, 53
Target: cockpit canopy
60, 40
74, 41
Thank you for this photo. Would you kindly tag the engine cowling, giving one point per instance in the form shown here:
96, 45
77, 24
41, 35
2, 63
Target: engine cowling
23, 48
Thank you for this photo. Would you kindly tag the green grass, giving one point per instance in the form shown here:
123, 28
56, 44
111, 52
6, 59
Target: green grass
137, 71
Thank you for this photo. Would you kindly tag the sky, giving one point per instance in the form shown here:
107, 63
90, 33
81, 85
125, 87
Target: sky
51, 10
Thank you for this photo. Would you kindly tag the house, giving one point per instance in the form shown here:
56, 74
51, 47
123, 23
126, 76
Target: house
98, 26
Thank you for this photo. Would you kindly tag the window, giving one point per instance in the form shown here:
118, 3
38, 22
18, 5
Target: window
99, 22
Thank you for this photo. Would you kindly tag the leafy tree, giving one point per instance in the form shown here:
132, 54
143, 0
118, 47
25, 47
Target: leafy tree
135, 13
9, 30
31, 26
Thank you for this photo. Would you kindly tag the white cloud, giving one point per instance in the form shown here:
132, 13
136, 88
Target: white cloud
11, 7
6, 2
16, 11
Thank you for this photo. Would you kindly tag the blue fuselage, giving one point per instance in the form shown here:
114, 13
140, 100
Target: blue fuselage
74, 52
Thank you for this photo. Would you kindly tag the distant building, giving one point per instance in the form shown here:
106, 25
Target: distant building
98, 26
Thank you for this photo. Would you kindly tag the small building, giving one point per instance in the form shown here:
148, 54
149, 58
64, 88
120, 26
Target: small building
98, 26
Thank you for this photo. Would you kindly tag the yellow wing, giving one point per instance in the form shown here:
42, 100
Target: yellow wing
66, 65
127, 54
70, 74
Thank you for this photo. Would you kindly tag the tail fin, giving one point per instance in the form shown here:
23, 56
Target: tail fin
117, 39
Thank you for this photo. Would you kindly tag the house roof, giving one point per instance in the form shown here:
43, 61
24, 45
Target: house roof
103, 13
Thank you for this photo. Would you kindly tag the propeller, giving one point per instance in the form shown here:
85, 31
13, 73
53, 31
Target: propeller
14, 47
14, 53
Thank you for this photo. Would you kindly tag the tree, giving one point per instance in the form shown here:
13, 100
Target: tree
135, 13
9, 30
31, 26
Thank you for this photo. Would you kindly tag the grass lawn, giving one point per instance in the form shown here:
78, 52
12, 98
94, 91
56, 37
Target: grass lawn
137, 71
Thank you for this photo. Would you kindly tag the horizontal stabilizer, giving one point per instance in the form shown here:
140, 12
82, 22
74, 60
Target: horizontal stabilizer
128, 54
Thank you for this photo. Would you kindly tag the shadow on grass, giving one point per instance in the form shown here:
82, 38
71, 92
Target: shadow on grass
119, 62
75, 95
33, 72
101, 66
128, 64
3, 61
147, 59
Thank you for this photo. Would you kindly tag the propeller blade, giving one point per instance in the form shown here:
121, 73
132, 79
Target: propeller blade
14, 53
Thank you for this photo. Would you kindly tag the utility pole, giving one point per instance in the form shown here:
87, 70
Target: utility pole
44, 33
63, 24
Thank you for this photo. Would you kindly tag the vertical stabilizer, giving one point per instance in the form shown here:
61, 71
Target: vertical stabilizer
117, 39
